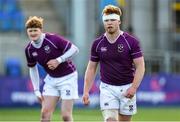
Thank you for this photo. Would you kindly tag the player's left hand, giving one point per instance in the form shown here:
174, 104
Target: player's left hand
52, 64
130, 92
85, 99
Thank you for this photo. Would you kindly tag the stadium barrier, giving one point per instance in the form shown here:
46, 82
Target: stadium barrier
155, 90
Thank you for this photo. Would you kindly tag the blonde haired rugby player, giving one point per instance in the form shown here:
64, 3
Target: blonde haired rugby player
53, 53
121, 68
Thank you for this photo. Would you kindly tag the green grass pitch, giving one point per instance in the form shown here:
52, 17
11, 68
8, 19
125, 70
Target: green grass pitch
85, 115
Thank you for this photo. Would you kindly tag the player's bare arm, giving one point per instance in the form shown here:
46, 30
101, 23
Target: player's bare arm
139, 73
89, 79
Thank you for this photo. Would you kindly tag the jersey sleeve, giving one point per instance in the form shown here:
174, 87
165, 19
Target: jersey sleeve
136, 51
30, 61
94, 53
62, 43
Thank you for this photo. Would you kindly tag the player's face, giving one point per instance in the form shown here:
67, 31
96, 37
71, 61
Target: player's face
111, 25
34, 33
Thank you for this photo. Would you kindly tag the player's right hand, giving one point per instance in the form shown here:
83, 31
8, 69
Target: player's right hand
39, 96
52, 64
85, 99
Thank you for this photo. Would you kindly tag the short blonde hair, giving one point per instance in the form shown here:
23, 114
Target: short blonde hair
34, 22
111, 9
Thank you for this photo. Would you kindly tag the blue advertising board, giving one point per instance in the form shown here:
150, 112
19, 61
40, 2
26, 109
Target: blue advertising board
155, 90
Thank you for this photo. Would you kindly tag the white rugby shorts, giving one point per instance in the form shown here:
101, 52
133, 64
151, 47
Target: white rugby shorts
65, 87
112, 97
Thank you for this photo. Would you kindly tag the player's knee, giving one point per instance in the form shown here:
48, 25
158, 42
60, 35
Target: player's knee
110, 115
45, 113
110, 119
66, 116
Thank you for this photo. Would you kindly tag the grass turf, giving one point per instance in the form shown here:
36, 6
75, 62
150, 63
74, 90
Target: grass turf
85, 115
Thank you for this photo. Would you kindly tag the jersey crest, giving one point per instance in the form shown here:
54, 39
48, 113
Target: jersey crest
47, 49
120, 48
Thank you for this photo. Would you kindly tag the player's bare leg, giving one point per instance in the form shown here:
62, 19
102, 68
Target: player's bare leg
111, 120
66, 110
110, 115
126, 118
48, 106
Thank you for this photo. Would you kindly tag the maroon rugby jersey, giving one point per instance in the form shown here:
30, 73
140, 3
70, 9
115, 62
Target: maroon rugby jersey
116, 59
52, 47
